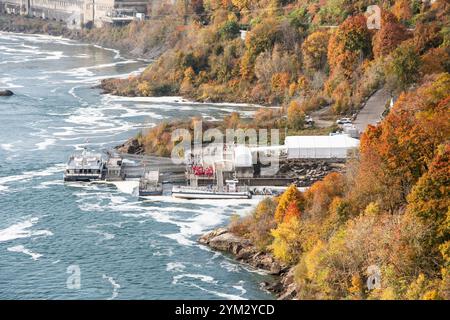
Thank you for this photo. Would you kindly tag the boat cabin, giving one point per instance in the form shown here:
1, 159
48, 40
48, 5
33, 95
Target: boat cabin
84, 167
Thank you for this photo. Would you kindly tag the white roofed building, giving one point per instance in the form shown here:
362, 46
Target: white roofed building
320, 147
243, 161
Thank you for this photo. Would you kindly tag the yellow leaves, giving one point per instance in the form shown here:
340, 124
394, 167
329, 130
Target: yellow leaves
421, 289
402, 10
280, 81
144, 88
314, 50
292, 194
286, 245
387, 294
431, 295
295, 115
313, 258
372, 209
356, 289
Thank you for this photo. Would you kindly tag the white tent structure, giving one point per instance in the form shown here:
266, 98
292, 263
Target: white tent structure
243, 157
320, 147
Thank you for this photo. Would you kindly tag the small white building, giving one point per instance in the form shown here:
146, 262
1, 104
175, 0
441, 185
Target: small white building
320, 147
243, 161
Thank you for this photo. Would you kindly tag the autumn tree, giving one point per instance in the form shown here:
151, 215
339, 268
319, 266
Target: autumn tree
291, 195
403, 68
397, 153
262, 223
402, 10
292, 211
351, 42
314, 50
436, 60
321, 194
388, 38
295, 115
427, 36
287, 244
261, 38
430, 197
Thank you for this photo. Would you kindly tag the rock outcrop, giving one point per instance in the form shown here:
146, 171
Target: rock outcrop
6, 93
244, 251
305, 173
131, 146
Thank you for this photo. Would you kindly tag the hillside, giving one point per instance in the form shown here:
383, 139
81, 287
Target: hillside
381, 230
300, 55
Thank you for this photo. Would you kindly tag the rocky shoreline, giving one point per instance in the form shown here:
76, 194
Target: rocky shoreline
32, 25
244, 251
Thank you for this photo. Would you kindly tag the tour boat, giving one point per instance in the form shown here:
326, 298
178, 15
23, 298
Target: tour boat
230, 191
85, 166
149, 184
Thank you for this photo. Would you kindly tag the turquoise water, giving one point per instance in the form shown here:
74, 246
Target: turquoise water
124, 248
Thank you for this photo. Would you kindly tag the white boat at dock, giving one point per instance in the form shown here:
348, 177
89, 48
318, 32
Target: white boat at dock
231, 191
85, 166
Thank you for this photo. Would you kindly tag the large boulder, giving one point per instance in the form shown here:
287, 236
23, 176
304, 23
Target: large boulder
131, 146
225, 241
6, 93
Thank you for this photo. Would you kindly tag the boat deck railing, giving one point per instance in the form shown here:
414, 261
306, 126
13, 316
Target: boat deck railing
212, 189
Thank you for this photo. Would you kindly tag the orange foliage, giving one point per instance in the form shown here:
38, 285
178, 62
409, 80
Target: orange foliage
435, 61
430, 198
321, 194
395, 154
351, 41
388, 38
291, 195
292, 211
402, 10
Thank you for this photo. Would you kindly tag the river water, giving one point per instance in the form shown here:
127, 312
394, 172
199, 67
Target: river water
71, 241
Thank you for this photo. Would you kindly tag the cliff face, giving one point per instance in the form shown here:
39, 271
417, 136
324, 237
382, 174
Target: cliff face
244, 251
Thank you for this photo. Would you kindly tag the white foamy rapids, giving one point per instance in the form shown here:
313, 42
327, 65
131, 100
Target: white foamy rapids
22, 249
104, 120
44, 144
28, 175
240, 287
191, 222
35, 56
105, 235
22, 230
201, 277
8, 82
48, 184
230, 267
6, 146
175, 267
115, 286
181, 100
117, 52
128, 186
192, 278
86, 72
38, 39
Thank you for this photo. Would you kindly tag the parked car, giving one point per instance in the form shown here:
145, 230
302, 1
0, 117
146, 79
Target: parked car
344, 121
